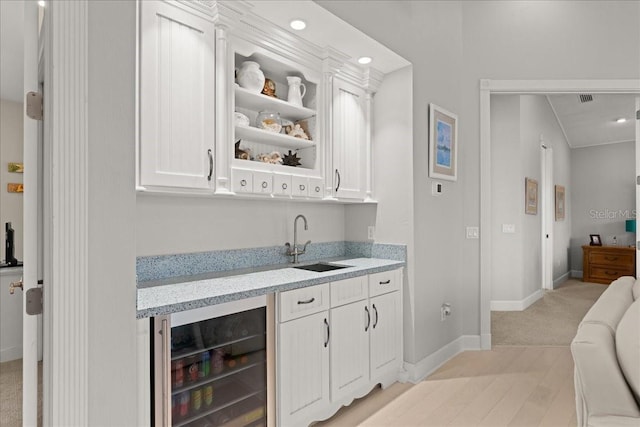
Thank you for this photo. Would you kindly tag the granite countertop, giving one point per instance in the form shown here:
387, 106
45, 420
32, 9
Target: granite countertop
167, 296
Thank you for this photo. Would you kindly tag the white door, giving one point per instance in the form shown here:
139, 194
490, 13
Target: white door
637, 181
31, 208
547, 207
303, 368
349, 141
349, 349
176, 97
385, 350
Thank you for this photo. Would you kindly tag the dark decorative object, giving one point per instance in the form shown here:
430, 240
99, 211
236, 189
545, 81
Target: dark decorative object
595, 240
269, 88
291, 159
241, 154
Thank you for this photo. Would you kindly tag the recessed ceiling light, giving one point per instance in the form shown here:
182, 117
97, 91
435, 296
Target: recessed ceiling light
621, 120
41, 3
298, 24
364, 60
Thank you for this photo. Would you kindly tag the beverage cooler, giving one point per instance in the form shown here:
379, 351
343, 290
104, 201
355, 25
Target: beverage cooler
211, 367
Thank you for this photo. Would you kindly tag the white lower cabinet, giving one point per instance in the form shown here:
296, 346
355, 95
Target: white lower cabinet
335, 343
303, 369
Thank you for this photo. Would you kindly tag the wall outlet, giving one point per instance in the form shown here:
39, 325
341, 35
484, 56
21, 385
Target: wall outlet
445, 311
371, 232
436, 188
473, 232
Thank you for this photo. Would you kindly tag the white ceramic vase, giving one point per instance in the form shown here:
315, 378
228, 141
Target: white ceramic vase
296, 90
251, 77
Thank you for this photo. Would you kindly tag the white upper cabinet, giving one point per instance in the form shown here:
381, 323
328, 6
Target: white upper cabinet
176, 97
349, 141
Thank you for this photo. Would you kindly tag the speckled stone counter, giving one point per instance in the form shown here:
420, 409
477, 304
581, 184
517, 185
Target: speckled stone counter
188, 292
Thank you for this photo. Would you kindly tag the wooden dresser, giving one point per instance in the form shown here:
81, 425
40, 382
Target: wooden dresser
604, 264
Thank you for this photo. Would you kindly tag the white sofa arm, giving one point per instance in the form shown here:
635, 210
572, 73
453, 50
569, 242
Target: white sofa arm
613, 421
600, 386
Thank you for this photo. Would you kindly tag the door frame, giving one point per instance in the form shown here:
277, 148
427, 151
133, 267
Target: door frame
519, 87
547, 213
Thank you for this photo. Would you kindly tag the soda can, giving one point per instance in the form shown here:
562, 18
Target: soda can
196, 399
217, 363
178, 373
208, 395
184, 404
193, 369
205, 367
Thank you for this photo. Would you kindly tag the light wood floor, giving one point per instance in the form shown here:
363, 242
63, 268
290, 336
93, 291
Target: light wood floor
507, 386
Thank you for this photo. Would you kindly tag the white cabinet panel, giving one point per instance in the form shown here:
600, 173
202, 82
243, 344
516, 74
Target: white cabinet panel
386, 327
242, 181
349, 141
282, 185
387, 281
303, 369
299, 186
262, 183
176, 97
302, 302
348, 291
349, 349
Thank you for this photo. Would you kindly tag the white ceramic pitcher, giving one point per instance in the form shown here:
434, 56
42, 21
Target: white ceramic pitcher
295, 93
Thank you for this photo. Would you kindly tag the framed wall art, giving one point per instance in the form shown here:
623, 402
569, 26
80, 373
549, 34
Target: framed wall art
560, 205
443, 143
531, 196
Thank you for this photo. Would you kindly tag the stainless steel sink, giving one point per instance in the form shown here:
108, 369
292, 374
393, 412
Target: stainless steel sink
321, 267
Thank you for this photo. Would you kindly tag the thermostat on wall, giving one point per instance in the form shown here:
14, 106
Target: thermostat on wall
436, 188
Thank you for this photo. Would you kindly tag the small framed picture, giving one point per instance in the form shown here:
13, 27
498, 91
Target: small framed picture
531, 196
443, 143
559, 203
595, 240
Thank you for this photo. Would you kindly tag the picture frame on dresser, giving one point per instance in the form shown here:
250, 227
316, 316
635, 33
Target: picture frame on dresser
443, 143
595, 240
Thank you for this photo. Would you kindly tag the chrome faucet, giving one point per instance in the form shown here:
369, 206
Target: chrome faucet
295, 250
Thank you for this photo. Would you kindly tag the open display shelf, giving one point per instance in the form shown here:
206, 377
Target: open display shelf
258, 102
271, 138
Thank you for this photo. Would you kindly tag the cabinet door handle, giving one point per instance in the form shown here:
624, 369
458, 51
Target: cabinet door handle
166, 363
366, 309
386, 282
302, 187
317, 189
338, 179
264, 184
608, 273
309, 301
210, 164
284, 185
611, 258
243, 182
376, 321
326, 343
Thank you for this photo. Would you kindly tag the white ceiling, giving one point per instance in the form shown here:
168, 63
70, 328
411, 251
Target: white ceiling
594, 123
325, 29
11, 46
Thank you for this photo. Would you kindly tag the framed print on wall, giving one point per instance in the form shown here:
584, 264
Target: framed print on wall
560, 203
443, 143
531, 196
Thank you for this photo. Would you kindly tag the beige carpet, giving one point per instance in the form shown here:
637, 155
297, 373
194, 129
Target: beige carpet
11, 393
552, 320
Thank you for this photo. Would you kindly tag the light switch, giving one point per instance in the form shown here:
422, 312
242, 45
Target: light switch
436, 188
509, 228
473, 232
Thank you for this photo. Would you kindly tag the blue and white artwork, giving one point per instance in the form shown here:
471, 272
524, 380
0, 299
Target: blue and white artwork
443, 144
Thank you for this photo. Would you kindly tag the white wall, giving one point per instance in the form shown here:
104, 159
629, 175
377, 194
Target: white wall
603, 195
517, 123
452, 45
171, 225
11, 150
392, 143
112, 380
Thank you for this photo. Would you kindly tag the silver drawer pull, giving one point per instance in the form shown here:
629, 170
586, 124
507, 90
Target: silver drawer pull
309, 301
243, 182
284, 186
302, 187
386, 282
317, 189
264, 184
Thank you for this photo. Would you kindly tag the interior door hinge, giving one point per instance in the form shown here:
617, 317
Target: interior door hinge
638, 179
34, 105
638, 115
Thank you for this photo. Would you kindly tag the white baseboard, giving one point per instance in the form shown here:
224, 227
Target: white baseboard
485, 342
516, 305
576, 274
560, 280
11, 353
419, 371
